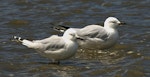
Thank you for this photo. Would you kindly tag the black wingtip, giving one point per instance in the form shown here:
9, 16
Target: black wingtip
60, 28
66, 27
16, 38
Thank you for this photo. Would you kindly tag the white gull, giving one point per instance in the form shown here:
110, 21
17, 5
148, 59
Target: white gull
96, 36
55, 47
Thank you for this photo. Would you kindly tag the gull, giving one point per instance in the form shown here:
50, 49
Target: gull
96, 36
54, 47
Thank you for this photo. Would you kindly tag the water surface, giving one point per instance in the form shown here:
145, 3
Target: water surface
31, 19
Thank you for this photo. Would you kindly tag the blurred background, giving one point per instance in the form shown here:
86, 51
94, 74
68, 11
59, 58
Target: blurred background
31, 19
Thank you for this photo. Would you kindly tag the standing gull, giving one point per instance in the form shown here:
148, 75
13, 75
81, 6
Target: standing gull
55, 47
96, 36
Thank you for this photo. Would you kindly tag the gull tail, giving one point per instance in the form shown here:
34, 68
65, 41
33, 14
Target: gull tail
60, 28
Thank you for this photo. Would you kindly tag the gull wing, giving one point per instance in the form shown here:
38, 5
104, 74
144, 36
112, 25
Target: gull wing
52, 43
93, 31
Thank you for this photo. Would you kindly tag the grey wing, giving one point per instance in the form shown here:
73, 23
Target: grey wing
93, 31
55, 44
52, 43
46, 40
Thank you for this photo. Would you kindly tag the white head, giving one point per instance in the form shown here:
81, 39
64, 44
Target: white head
112, 22
70, 34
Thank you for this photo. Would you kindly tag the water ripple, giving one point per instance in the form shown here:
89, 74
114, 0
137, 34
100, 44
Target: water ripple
31, 18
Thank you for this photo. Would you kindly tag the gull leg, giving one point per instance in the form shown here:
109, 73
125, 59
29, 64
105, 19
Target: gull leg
55, 62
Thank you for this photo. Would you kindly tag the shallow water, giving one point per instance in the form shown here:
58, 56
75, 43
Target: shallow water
31, 19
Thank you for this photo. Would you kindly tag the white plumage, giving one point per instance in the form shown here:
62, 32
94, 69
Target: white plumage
55, 47
98, 37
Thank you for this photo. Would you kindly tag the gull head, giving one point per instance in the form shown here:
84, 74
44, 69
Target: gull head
70, 34
112, 22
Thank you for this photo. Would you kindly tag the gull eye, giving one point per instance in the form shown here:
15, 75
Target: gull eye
113, 22
72, 34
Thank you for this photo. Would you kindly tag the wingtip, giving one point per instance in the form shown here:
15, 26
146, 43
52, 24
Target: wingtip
60, 28
18, 39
